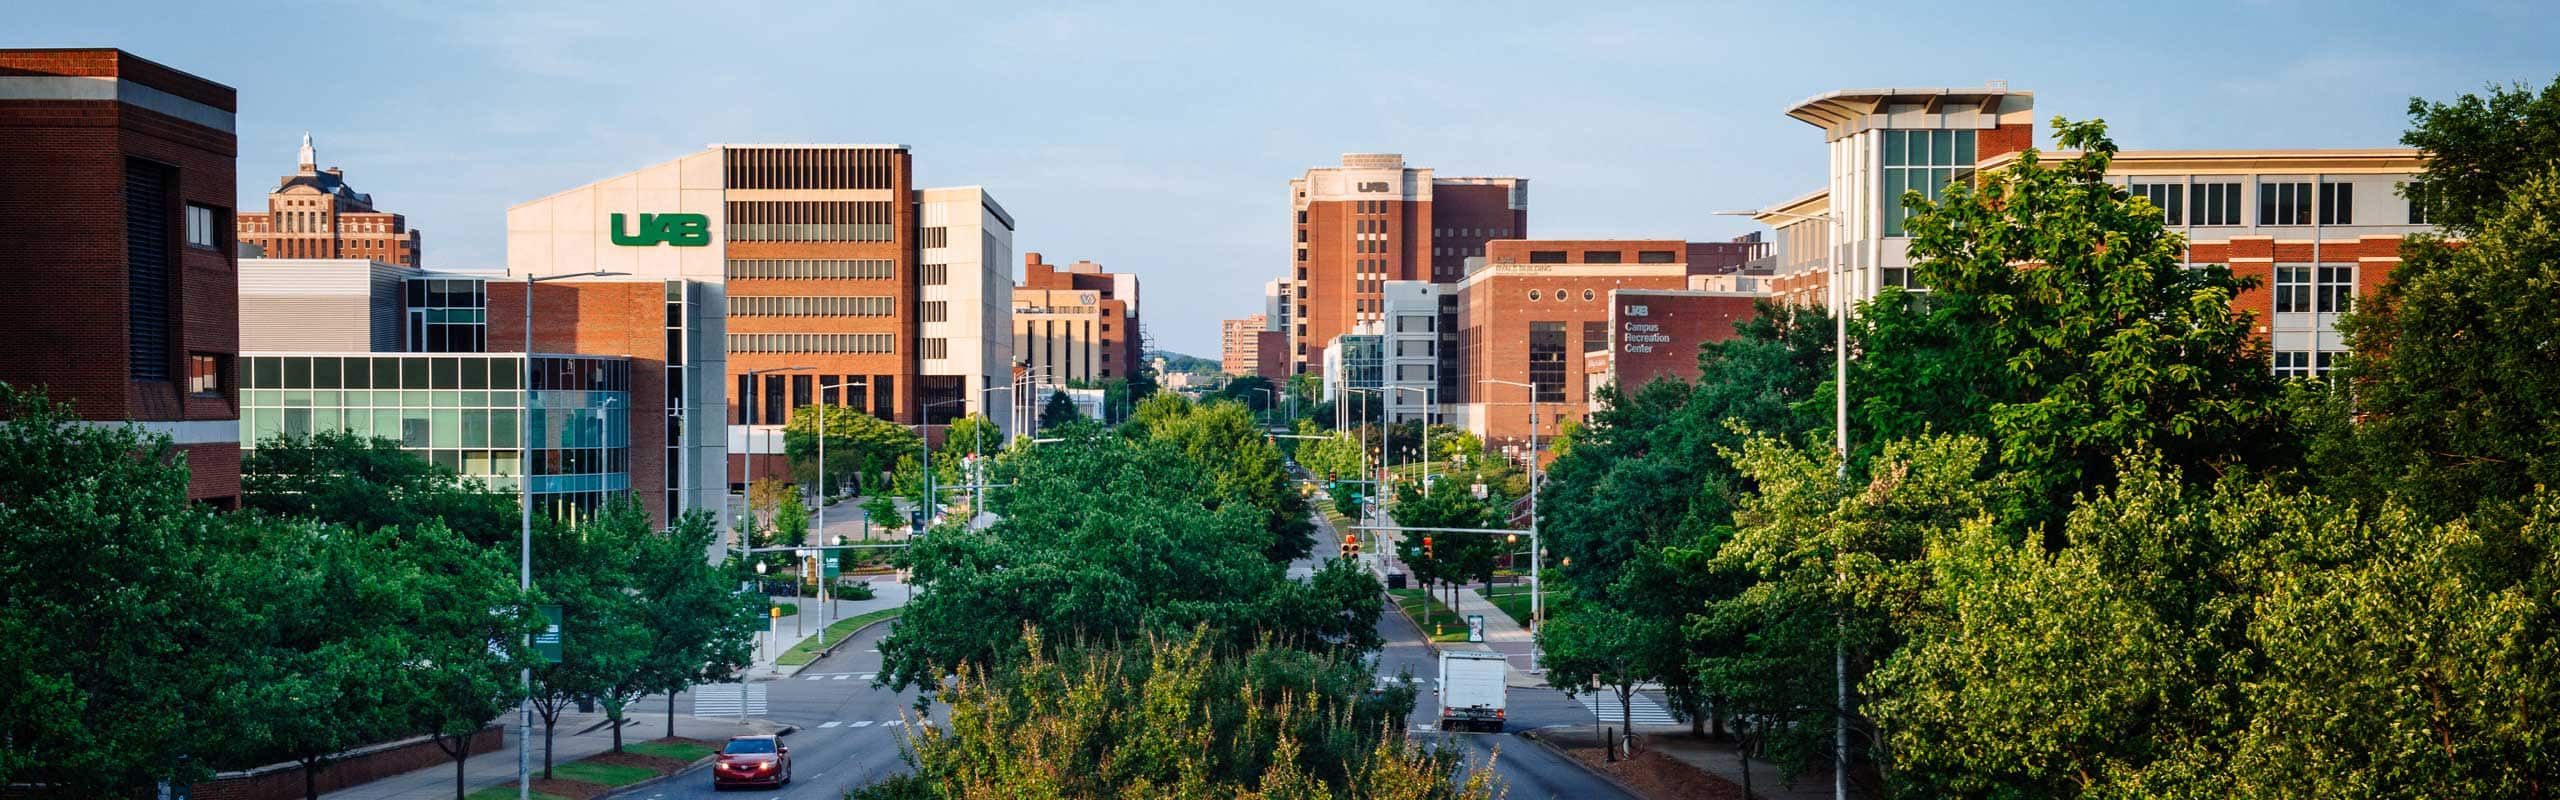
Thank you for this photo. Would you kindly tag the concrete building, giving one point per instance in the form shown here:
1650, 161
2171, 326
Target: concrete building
1076, 323
318, 304
1354, 363
313, 213
965, 244
116, 191
1240, 345
1413, 347
1529, 312
1372, 220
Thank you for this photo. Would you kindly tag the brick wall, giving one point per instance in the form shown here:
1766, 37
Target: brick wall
284, 781
614, 318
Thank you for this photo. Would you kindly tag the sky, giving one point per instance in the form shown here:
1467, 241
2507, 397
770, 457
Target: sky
1159, 138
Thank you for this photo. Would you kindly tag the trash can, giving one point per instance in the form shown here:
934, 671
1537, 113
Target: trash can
1395, 580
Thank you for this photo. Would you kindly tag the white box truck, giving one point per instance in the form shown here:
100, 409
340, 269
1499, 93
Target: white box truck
1471, 690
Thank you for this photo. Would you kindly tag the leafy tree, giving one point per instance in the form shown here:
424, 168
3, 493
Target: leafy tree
467, 642
604, 636
882, 511
2062, 325
1449, 444
1254, 391
1059, 410
1335, 457
370, 483
697, 628
1239, 462
1610, 648
103, 615
2479, 152
1170, 717
859, 446
1453, 558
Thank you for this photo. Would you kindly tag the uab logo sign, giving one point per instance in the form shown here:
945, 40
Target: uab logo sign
680, 230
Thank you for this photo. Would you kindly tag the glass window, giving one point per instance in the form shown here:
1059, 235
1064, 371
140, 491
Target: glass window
475, 373
447, 373
2284, 203
502, 428
1600, 257
1546, 361
204, 375
448, 428
266, 372
2293, 290
413, 428
1546, 257
413, 373
2337, 290
475, 428
506, 373
2337, 203
297, 372
1533, 294
356, 372
2169, 197
203, 228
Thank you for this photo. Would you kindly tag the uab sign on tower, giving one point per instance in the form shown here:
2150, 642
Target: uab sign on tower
680, 230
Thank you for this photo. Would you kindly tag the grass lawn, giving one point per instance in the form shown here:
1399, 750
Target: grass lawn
507, 793
607, 774
1425, 608
1514, 600
681, 751
807, 650
788, 609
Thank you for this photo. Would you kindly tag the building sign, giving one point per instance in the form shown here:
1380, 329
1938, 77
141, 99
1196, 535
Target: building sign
679, 230
1639, 311
1642, 336
1373, 186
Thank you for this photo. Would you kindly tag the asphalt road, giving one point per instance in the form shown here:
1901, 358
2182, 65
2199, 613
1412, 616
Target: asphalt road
1523, 769
850, 734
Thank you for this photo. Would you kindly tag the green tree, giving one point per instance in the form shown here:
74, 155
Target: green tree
587, 571
103, 616
1453, 558
1609, 648
1239, 461
1335, 457
1059, 410
697, 628
2479, 152
2063, 325
859, 446
467, 643
370, 483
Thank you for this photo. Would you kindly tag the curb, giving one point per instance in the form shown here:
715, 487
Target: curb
1427, 643
680, 772
1541, 741
781, 672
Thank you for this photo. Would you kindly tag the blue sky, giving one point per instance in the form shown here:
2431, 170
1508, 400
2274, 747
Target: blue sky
1159, 138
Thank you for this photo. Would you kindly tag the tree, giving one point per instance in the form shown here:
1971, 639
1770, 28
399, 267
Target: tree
2479, 152
1335, 457
1610, 648
859, 446
1454, 558
370, 483
698, 629
1058, 411
468, 640
1239, 461
105, 608
604, 639
2063, 325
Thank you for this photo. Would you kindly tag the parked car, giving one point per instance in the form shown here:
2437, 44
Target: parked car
752, 761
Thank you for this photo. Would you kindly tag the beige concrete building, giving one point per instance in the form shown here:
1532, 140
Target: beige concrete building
321, 304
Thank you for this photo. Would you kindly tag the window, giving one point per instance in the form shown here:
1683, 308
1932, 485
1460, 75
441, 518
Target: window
147, 190
1657, 257
2336, 291
1600, 256
938, 348
940, 311
934, 237
752, 306
1546, 256
204, 375
1302, 218
937, 274
2215, 204
1533, 295
2169, 197
2293, 290
1414, 323
2337, 203
1923, 162
2293, 364
1414, 348
1546, 362
1595, 335
203, 228
2287, 203
1413, 374
877, 269
1587, 295
2417, 213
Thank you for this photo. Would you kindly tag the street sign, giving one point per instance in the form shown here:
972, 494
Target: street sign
1475, 627
547, 643
835, 564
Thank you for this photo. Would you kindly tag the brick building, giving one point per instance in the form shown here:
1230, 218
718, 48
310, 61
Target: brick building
116, 189
1372, 220
313, 213
1655, 334
1076, 322
1240, 345
1529, 313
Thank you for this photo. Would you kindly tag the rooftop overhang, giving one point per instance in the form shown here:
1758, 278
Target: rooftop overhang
1838, 111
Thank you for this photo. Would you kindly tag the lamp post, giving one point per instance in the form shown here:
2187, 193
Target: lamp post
524, 492
1270, 401
1428, 407
924, 446
1537, 586
1378, 478
749, 494
1840, 433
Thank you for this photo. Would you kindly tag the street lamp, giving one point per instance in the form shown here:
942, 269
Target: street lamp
749, 494
1840, 433
924, 430
1537, 587
1379, 484
524, 492
1428, 408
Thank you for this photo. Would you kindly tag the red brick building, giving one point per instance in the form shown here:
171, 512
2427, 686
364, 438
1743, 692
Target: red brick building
1528, 316
313, 213
1656, 333
116, 187
1373, 220
1076, 322
1240, 345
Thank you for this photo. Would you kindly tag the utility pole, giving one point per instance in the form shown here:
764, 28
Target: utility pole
524, 493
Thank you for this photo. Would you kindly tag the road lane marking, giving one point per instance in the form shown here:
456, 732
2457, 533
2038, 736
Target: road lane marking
870, 675
843, 677
864, 723
817, 677
831, 724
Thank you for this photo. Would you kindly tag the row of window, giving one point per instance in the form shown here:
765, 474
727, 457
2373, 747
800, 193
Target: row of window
828, 306
1562, 295
812, 343
576, 373
1496, 233
2325, 289
737, 232
853, 269
1369, 207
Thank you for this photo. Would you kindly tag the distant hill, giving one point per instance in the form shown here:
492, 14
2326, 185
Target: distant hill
1177, 362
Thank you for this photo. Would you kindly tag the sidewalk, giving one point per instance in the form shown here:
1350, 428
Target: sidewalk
1717, 758
781, 635
580, 735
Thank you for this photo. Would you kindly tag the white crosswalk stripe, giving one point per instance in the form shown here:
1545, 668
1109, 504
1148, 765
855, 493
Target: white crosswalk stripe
843, 677
830, 724
1604, 705
816, 678
864, 723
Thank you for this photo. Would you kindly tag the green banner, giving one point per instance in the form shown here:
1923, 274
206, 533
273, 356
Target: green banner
547, 643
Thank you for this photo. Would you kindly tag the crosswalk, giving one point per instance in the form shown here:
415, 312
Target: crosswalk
1604, 705
841, 676
864, 723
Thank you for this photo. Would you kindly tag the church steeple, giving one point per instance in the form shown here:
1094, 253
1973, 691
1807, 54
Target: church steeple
310, 162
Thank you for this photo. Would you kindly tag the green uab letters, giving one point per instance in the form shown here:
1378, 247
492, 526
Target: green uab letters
681, 230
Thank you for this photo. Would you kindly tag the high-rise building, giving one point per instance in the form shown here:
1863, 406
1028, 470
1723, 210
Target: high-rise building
116, 189
313, 213
1372, 220
965, 245
1530, 313
1240, 345
1075, 322
1414, 344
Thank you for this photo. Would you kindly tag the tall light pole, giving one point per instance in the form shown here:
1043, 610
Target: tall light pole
1840, 433
749, 494
1428, 407
1377, 478
1270, 401
924, 445
1537, 586
524, 492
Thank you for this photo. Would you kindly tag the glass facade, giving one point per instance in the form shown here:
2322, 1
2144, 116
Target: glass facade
463, 411
447, 315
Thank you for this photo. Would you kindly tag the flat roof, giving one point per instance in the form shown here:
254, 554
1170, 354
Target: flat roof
2367, 159
1841, 105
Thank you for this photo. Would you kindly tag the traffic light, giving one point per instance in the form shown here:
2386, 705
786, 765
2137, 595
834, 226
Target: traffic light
1351, 545
1426, 547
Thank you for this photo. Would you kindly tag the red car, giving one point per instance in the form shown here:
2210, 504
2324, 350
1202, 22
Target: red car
752, 761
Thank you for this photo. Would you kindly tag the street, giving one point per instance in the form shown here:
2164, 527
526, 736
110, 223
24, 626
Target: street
850, 733
1526, 770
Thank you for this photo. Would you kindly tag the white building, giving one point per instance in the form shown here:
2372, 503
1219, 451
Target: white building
1412, 348
967, 321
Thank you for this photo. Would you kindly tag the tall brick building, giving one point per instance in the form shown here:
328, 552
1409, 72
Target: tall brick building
116, 187
1372, 220
1076, 322
313, 213
1530, 313
1240, 345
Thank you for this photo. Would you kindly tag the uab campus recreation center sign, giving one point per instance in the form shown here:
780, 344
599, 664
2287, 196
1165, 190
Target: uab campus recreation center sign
651, 230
